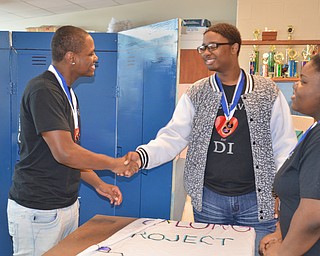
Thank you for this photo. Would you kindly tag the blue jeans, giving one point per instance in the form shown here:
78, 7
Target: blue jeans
234, 210
36, 231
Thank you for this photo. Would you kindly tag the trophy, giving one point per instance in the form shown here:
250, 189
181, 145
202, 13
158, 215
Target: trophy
307, 52
278, 59
314, 49
256, 59
271, 59
292, 64
256, 34
252, 62
265, 58
305, 55
290, 30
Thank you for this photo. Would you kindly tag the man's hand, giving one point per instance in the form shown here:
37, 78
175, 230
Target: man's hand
125, 167
133, 156
110, 191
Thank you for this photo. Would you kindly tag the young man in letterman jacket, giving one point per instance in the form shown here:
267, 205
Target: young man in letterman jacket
238, 130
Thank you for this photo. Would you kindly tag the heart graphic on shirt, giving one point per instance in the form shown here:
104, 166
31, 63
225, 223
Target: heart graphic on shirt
224, 127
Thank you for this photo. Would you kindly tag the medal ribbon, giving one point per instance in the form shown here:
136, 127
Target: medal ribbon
70, 95
306, 132
229, 112
303, 136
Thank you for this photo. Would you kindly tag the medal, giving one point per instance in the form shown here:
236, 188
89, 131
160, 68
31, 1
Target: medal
71, 98
226, 127
227, 124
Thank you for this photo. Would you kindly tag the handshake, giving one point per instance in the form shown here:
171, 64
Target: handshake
127, 165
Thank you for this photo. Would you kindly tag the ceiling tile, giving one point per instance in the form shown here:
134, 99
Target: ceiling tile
16, 7
12, 10
130, 1
34, 13
95, 4
66, 8
4, 17
47, 4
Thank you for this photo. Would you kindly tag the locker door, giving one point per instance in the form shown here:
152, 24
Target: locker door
5, 142
147, 68
30, 56
26, 64
97, 97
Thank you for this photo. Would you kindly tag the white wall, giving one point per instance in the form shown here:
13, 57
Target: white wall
278, 14
139, 14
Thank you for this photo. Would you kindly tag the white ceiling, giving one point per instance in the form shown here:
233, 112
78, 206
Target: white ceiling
13, 10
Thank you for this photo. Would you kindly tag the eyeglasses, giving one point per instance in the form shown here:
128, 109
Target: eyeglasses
211, 47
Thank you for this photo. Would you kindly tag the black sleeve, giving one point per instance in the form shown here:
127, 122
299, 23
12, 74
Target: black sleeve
49, 110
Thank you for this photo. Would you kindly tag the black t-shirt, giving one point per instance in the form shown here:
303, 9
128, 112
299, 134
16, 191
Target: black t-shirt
299, 177
39, 181
229, 168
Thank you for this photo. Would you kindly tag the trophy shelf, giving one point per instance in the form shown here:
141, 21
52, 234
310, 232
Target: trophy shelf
285, 79
281, 42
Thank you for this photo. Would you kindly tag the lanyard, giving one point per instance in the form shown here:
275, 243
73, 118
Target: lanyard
306, 132
229, 112
70, 94
303, 137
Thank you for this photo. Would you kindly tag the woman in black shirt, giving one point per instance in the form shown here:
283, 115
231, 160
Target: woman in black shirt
298, 181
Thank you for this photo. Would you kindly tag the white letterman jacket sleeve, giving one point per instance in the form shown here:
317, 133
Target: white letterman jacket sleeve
283, 134
171, 139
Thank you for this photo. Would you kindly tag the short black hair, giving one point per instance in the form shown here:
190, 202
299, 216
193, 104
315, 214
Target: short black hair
228, 31
67, 39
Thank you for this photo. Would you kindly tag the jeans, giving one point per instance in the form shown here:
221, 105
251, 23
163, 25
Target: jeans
36, 231
234, 210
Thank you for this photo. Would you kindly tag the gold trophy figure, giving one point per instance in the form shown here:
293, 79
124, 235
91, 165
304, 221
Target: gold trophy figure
252, 62
313, 49
305, 53
271, 60
292, 64
256, 34
278, 59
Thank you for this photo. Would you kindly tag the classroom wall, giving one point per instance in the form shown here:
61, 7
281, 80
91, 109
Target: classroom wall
139, 14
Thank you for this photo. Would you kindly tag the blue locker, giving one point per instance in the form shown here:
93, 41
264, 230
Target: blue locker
5, 140
30, 56
147, 75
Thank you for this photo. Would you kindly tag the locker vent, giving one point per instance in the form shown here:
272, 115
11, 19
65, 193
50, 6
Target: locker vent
39, 60
97, 64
